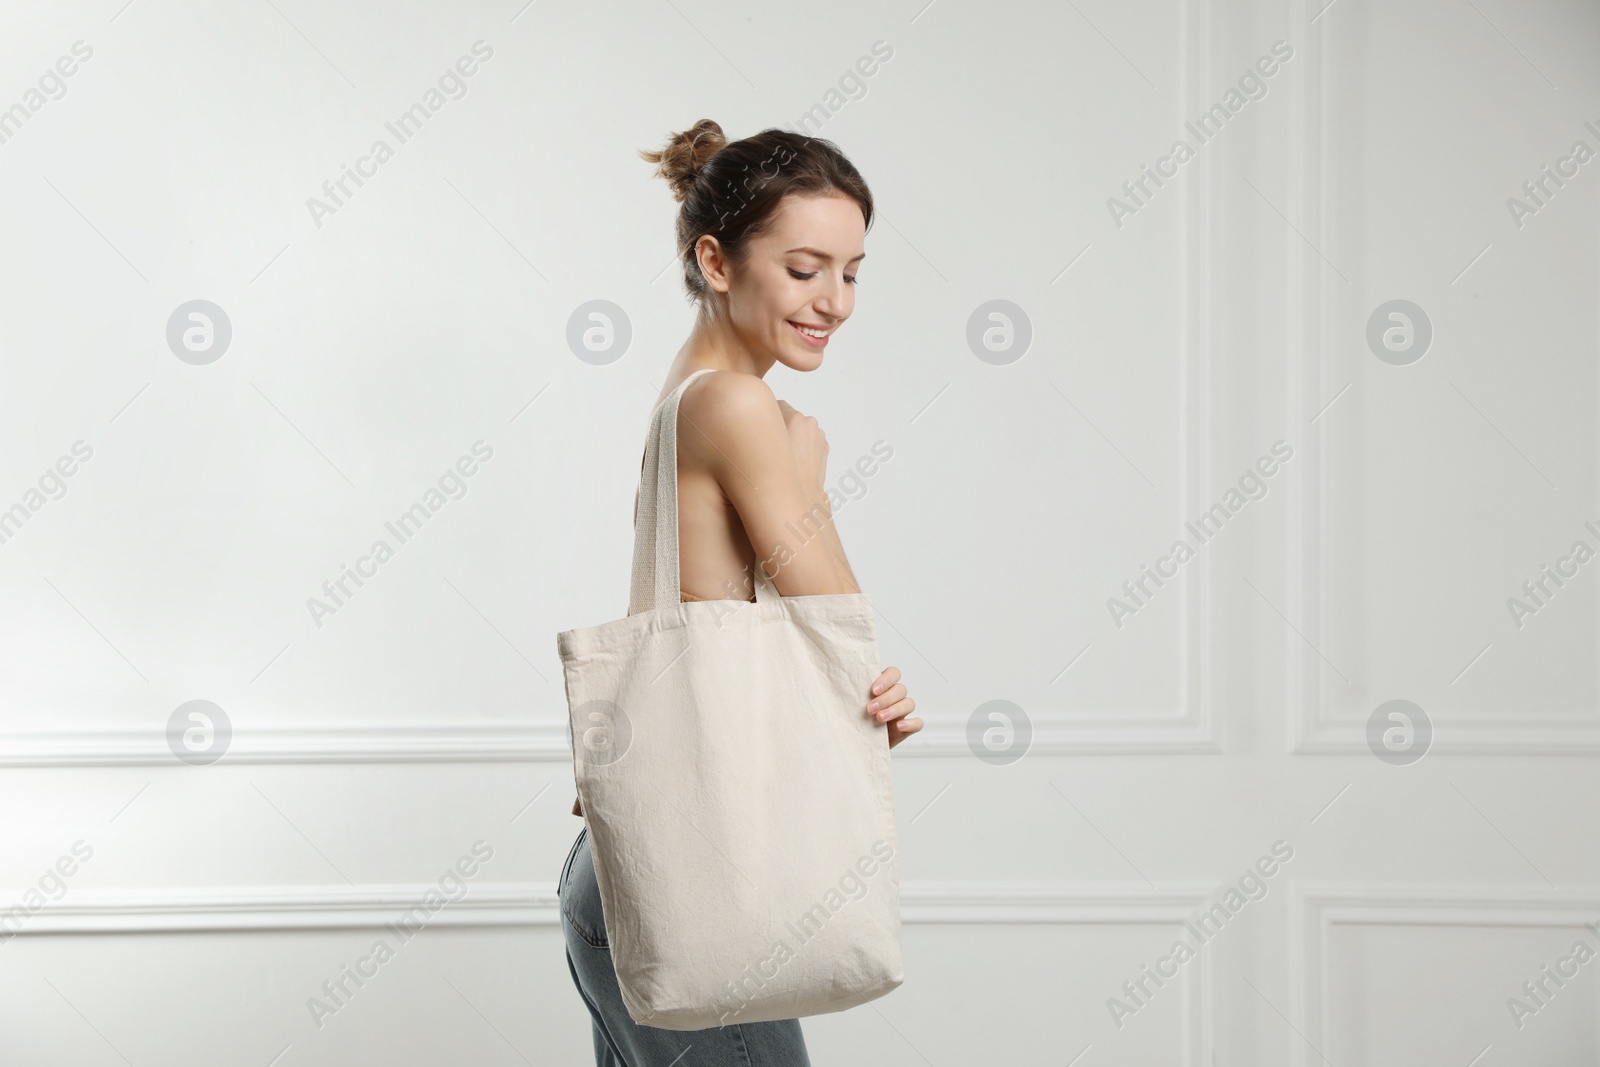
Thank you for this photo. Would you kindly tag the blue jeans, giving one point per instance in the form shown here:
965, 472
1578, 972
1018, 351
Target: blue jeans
621, 1042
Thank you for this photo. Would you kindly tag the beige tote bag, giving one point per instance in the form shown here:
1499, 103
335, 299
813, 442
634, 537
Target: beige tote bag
738, 796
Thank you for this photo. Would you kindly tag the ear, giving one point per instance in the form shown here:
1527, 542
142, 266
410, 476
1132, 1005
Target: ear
714, 264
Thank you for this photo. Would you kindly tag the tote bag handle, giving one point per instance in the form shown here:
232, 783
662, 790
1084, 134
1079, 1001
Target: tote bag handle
656, 578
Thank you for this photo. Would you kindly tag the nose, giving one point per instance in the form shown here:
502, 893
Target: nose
832, 302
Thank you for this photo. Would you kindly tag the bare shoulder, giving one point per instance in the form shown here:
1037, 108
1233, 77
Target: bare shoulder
727, 398
729, 407
730, 417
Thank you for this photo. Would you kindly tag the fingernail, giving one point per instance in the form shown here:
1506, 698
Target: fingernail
877, 687
872, 706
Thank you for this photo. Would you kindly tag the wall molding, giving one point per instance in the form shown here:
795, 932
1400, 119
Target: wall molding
922, 903
1191, 727
1312, 728
305, 907
1316, 908
1060, 734
541, 742
311, 743
309, 907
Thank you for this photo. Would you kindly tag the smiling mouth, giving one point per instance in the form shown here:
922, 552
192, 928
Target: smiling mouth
811, 333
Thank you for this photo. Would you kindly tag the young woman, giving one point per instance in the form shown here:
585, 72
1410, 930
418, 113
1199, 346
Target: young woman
771, 233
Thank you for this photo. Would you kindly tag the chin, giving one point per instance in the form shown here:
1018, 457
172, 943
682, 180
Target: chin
797, 355
800, 361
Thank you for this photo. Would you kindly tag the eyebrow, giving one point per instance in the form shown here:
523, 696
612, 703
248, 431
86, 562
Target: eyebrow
824, 256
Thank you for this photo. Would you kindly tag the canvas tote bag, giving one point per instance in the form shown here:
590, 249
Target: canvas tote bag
738, 797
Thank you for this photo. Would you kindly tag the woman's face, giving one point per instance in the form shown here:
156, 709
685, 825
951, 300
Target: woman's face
799, 273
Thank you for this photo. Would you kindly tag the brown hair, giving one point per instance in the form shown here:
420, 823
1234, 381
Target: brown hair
731, 191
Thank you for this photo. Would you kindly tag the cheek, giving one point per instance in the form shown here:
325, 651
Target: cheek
788, 302
774, 301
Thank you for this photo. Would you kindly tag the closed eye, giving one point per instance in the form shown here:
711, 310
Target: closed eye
851, 278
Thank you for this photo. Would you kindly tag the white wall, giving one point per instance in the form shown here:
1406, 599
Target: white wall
1172, 346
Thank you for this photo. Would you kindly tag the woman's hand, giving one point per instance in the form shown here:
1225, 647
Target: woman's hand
890, 704
807, 442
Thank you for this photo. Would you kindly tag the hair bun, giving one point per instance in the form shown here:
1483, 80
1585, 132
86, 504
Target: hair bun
685, 155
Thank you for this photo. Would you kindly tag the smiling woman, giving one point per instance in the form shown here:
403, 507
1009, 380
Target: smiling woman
770, 232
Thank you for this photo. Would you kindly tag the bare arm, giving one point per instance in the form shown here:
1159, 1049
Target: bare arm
770, 465
810, 449
771, 461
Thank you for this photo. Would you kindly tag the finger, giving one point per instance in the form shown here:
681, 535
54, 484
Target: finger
897, 710
894, 693
902, 729
889, 676
886, 697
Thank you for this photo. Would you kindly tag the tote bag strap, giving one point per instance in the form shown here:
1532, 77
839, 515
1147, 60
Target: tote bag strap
656, 579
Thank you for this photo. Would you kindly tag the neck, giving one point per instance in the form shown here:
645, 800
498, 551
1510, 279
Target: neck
714, 345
